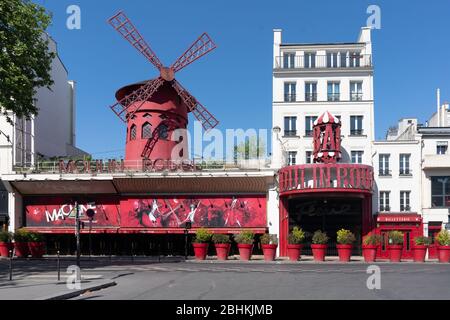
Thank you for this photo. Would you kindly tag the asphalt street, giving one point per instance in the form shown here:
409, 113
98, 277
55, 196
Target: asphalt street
247, 281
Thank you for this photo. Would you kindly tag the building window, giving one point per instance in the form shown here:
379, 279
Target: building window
310, 60
309, 126
309, 157
289, 60
332, 59
404, 201
311, 91
133, 132
146, 131
356, 91
440, 192
357, 156
355, 59
292, 158
384, 165
289, 92
356, 125
441, 147
404, 164
163, 132
333, 91
384, 201
290, 126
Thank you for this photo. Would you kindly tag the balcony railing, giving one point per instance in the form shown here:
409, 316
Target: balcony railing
384, 173
309, 62
334, 97
290, 133
385, 208
356, 132
356, 96
95, 167
311, 96
290, 97
405, 172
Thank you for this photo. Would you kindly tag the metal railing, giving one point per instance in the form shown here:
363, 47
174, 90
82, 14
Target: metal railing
314, 61
384, 173
356, 132
290, 133
95, 167
290, 97
334, 97
310, 96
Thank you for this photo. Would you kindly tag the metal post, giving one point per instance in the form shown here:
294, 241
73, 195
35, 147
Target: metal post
132, 251
77, 234
185, 244
10, 264
90, 240
58, 265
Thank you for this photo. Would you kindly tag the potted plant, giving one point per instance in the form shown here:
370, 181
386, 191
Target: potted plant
295, 243
245, 244
420, 248
443, 240
319, 245
36, 244
269, 244
345, 239
200, 243
21, 238
395, 246
5, 243
222, 244
370, 246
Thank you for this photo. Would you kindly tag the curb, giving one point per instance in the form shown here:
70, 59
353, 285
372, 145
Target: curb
76, 293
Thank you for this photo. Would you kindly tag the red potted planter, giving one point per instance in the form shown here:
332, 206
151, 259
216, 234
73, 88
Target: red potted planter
21, 249
319, 251
444, 254
245, 244
395, 252
344, 252
36, 249
270, 251
5, 247
370, 252
200, 250
294, 251
419, 253
295, 244
222, 249
245, 251
319, 245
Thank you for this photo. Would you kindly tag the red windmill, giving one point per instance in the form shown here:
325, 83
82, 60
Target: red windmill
154, 108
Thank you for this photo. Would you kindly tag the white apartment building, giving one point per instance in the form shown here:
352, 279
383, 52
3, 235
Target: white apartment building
411, 168
50, 134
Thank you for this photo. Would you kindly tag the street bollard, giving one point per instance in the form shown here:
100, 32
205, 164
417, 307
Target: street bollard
58, 265
10, 264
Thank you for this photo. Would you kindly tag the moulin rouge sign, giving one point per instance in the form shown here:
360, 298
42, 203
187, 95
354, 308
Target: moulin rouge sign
113, 166
328, 176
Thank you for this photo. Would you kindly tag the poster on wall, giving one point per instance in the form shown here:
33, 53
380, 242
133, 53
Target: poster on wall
152, 212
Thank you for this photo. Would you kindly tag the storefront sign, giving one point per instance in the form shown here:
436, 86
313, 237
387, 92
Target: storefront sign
151, 212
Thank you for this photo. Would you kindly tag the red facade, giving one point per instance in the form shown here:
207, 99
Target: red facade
150, 212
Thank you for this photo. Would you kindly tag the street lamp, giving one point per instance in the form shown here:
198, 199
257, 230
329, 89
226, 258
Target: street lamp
187, 226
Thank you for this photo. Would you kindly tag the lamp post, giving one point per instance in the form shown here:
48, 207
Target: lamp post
187, 226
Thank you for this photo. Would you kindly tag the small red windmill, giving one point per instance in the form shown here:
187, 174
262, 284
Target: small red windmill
154, 108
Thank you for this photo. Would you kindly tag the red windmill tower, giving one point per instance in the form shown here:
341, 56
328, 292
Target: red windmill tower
153, 109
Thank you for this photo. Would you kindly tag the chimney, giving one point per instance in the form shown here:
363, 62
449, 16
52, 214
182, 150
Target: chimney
438, 107
276, 46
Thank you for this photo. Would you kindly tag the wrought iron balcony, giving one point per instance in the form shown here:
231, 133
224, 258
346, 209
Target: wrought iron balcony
290, 97
356, 96
308, 62
290, 133
334, 97
356, 132
384, 173
311, 96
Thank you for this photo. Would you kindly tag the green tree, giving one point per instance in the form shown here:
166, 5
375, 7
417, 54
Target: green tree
252, 148
25, 60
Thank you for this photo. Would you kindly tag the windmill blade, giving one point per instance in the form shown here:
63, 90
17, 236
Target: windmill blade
141, 94
199, 48
123, 25
200, 112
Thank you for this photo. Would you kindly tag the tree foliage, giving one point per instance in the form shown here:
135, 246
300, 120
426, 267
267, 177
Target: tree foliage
25, 60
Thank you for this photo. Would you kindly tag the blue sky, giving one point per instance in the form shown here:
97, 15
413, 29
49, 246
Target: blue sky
411, 56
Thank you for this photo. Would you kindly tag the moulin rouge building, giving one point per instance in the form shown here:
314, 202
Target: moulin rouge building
326, 171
